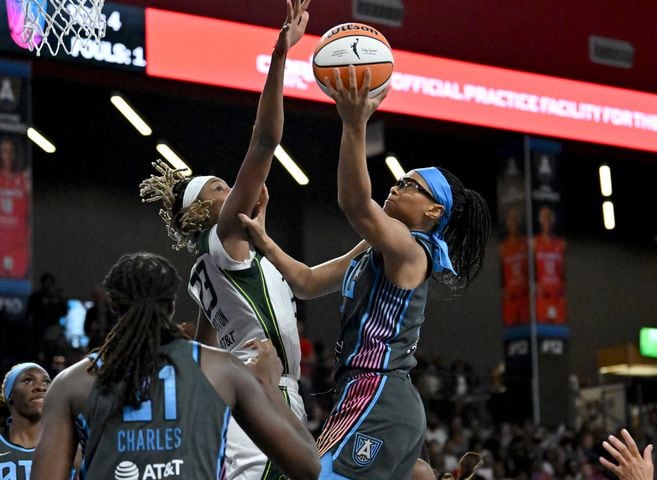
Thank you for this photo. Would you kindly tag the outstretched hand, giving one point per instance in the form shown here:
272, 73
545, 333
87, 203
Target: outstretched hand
266, 366
294, 26
255, 224
631, 464
354, 105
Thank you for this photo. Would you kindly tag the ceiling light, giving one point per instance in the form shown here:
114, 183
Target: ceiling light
605, 180
608, 215
289, 165
45, 144
395, 167
128, 112
173, 158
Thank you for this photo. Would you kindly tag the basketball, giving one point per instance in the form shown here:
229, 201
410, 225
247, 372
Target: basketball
354, 44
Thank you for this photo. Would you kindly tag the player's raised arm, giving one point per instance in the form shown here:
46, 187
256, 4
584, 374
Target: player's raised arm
267, 134
405, 260
306, 282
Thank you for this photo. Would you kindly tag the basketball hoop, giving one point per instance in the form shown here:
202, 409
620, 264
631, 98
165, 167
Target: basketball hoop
62, 23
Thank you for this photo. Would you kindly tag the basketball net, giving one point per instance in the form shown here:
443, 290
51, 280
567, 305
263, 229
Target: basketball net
62, 23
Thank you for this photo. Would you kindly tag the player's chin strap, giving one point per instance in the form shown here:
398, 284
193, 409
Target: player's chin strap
459, 471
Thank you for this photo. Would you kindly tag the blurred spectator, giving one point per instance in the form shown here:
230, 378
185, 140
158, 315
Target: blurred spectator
436, 431
308, 358
45, 307
57, 364
100, 318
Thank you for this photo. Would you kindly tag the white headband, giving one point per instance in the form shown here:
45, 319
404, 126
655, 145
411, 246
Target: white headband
193, 189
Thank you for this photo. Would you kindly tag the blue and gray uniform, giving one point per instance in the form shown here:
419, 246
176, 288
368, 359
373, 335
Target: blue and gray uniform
179, 433
15, 461
376, 428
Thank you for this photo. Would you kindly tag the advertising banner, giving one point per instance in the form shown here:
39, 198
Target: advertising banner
15, 194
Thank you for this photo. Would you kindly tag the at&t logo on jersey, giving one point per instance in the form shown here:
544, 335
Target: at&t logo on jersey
153, 471
365, 449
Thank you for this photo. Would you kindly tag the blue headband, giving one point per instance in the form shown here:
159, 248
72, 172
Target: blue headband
13, 374
442, 193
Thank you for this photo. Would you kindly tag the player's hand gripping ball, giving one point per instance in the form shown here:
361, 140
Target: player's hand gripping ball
353, 44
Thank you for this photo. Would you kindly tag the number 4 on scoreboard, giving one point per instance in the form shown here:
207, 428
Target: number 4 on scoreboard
114, 21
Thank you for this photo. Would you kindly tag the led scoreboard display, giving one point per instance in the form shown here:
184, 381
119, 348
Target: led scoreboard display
122, 47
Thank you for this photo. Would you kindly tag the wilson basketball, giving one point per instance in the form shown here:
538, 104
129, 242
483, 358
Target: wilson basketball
354, 44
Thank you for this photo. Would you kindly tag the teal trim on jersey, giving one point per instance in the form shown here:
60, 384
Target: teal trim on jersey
83, 432
327, 472
222, 449
251, 284
196, 351
14, 446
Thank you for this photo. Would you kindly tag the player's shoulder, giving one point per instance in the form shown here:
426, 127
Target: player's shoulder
214, 355
72, 378
220, 365
75, 371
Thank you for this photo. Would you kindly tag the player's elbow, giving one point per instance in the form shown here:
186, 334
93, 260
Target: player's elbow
309, 469
350, 204
266, 141
303, 290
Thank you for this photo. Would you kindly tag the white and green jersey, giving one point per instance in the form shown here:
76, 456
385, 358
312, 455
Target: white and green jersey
245, 300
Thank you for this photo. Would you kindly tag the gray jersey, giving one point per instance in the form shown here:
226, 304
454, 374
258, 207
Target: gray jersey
178, 434
380, 321
15, 461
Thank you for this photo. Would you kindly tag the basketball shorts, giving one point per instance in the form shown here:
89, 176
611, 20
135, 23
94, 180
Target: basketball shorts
375, 430
244, 461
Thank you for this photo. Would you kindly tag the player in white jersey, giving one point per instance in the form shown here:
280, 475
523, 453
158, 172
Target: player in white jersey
240, 292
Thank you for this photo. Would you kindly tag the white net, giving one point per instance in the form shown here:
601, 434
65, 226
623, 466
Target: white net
62, 23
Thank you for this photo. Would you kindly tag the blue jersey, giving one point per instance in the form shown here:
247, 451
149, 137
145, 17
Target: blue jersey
381, 322
179, 433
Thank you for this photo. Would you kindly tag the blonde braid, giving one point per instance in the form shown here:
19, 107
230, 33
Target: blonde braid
191, 220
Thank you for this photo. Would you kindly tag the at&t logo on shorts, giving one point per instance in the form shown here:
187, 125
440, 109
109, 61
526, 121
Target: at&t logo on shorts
365, 449
127, 470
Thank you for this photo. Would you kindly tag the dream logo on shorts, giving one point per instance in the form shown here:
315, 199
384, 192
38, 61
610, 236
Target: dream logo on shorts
365, 449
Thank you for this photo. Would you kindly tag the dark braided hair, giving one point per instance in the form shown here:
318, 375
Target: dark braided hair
466, 233
142, 287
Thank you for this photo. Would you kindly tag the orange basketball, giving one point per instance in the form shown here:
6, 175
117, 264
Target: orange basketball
353, 44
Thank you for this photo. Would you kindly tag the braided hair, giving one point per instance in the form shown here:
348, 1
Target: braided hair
466, 233
142, 287
183, 224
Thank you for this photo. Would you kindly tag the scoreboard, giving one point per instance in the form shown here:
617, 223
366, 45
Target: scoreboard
122, 47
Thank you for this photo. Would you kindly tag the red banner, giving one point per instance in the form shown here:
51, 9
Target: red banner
234, 55
15, 182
